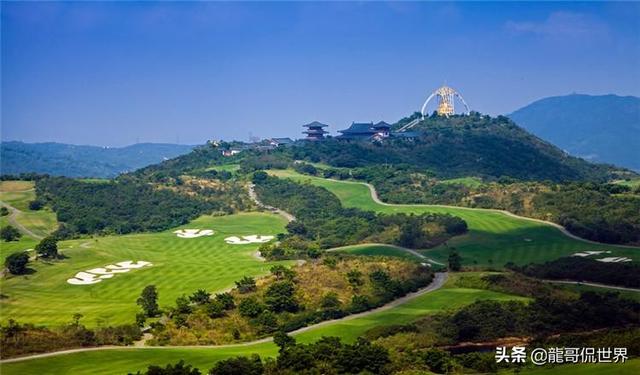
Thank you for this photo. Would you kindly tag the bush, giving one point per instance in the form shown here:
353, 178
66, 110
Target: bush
238, 366
246, 285
250, 307
47, 248
16, 263
36, 205
9, 233
280, 297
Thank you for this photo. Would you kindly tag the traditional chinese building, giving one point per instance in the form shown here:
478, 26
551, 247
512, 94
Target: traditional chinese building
315, 131
373, 132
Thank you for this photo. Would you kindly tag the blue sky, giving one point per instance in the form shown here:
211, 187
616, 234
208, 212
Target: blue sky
120, 72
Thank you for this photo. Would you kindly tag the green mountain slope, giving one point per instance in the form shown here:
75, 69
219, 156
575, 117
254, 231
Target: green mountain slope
60, 159
599, 128
461, 146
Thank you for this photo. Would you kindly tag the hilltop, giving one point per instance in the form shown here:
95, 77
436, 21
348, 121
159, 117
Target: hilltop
60, 159
460, 146
603, 128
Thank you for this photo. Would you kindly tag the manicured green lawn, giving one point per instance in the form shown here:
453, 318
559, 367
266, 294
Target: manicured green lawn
494, 238
18, 194
224, 167
123, 360
180, 265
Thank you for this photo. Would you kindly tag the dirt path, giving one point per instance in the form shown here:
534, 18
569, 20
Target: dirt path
438, 281
376, 198
15, 223
598, 285
254, 197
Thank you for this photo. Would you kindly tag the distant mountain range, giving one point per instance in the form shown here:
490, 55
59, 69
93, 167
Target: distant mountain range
61, 159
602, 128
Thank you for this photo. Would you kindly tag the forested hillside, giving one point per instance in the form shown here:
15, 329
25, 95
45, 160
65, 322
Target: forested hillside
460, 146
59, 159
603, 128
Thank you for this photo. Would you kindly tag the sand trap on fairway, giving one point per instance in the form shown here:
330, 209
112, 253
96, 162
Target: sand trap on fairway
193, 233
96, 275
254, 238
588, 253
614, 259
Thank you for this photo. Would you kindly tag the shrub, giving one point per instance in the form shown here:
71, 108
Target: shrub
9, 233
16, 263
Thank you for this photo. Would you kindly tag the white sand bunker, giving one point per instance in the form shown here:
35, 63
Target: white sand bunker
255, 238
614, 259
193, 233
96, 275
589, 253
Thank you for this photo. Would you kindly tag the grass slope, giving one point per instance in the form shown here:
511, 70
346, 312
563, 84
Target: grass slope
179, 266
123, 360
18, 194
494, 238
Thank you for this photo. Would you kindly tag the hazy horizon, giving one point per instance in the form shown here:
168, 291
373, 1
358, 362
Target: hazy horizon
115, 74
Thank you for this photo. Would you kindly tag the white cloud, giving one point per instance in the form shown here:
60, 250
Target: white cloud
561, 24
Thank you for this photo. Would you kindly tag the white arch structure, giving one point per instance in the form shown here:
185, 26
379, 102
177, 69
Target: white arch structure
445, 96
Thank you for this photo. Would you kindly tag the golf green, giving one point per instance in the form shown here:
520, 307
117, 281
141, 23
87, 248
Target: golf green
180, 266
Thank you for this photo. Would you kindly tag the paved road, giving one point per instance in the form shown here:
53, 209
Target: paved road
254, 197
15, 223
437, 283
410, 251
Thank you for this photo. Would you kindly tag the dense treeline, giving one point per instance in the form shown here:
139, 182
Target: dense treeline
321, 219
118, 206
605, 213
585, 269
289, 299
20, 339
327, 354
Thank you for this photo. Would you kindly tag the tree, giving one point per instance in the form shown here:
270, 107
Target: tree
9, 233
226, 300
246, 285
214, 309
355, 279
179, 368
36, 205
259, 177
282, 273
200, 297
280, 297
267, 321
4, 211
250, 307
182, 305
282, 340
330, 301
17, 262
239, 366
455, 261
47, 248
296, 227
148, 300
